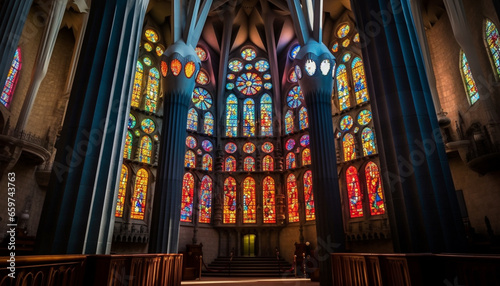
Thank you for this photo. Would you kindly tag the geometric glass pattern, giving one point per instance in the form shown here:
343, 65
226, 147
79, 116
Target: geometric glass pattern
249, 213
249, 148
230, 164
374, 187
202, 78
289, 122
139, 195
207, 146
346, 123
249, 83
192, 121
354, 193
231, 116
268, 200
145, 150
493, 41
343, 88
151, 35
152, 90
309, 197
207, 164
230, 200
368, 142
191, 142
293, 198
190, 159
306, 157
148, 126
249, 164
12, 77
248, 66
349, 147
267, 163
267, 147
364, 117
208, 126
235, 66
295, 97
127, 152
230, 148
304, 140
201, 98
470, 84
205, 205
248, 117
290, 161
248, 54
359, 79
120, 202
262, 66
303, 119
266, 115
187, 198
343, 31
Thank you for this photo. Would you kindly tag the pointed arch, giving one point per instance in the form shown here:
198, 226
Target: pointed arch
12, 78
303, 118
249, 164
136, 92
249, 212
187, 198
359, 79
232, 116
230, 164
207, 162
309, 196
468, 79
290, 161
190, 159
355, 196
349, 147
152, 91
289, 122
374, 187
229, 200
145, 149
248, 117
492, 40
306, 157
192, 120
122, 188
140, 194
127, 151
368, 142
266, 115
269, 200
208, 126
268, 163
293, 198
343, 88
205, 200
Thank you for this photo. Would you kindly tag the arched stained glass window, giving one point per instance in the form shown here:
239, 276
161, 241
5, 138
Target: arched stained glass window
127, 151
12, 77
266, 115
207, 163
368, 142
152, 90
290, 161
469, 82
145, 150
187, 198
190, 159
306, 157
303, 119
136, 93
232, 116
268, 163
192, 122
269, 200
289, 122
208, 126
229, 200
249, 164
354, 193
249, 212
293, 198
139, 195
120, 201
359, 78
374, 187
343, 88
230, 164
205, 200
493, 42
308, 196
248, 118
349, 147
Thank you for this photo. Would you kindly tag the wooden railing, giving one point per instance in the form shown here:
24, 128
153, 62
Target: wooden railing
109, 270
414, 269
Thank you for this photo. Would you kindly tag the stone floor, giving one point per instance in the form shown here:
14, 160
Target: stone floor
228, 281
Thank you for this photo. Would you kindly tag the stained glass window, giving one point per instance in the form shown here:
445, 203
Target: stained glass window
470, 83
202, 78
151, 35
268, 163
187, 198
267, 147
335, 47
309, 196
295, 97
207, 164
159, 50
201, 98
248, 117
191, 142
148, 47
120, 201
131, 121
343, 87
189, 69
147, 61
230, 200
152, 90
205, 205
294, 51
346, 123
145, 150
127, 152
139, 195
207, 146
249, 83
364, 117
293, 198
262, 65
293, 76
235, 66
349, 147
354, 193
266, 115
192, 121
289, 122
208, 126
346, 57
136, 93
374, 187
359, 78
231, 116
306, 157
249, 148
249, 164
148, 126
290, 143
368, 142
202, 54
268, 200
303, 119
290, 161
346, 43
249, 212
343, 31
164, 69
230, 164
248, 66
248, 54
230, 148
493, 41
190, 159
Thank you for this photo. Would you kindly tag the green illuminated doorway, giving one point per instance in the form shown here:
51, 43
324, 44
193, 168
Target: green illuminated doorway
249, 245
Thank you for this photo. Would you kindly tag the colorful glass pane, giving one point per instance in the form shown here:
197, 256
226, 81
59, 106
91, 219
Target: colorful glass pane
235, 66
145, 150
120, 201
248, 118
208, 126
346, 123
309, 196
189, 69
364, 117
175, 67
267, 147
137, 133
230, 86
295, 97
293, 76
191, 142
374, 187
131, 121
148, 126
343, 87
202, 78
249, 148
298, 71
266, 76
356, 130
205, 204
306, 157
201, 53
289, 122
148, 47
249, 83
493, 41
159, 50
335, 47
303, 119
262, 65
293, 198
190, 159
231, 148
207, 163
349, 147
151, 35
231, 76
343, 31
346, 43
268, 85
187, 198
267, 163
156, 137
290, 161
136, 93
164, 69
201, 98
290, 143
199, 152
359, 78
310, 67
356, 38
231, 116
266, 115
294, 51
470, 83
152, 90
346, 57
354, 193
368, 142
229, 200
304, 140
192, 121
268, 200
248, 54
207, 145
248, 67
249, 164
230, 164
139, 195
147, 61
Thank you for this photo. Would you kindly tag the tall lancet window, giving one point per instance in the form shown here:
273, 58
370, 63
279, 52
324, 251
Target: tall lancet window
359, 78
354, 193
269, 200
469, 82
139, 195
12, 77
187, 198
309, 196
136, 93
152, 91
249, 212
205, 200
229, 200
343, 87
120, 201
248, 118
293, 198
493, 42
231, 116
374, 187
266, 115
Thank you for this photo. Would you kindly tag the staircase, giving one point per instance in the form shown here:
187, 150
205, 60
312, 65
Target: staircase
248, 267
